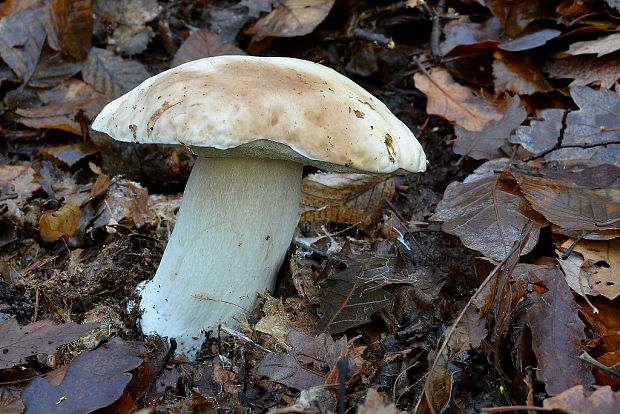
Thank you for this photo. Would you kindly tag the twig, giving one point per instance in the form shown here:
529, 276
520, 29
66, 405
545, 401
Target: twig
560, 146
342, 384
587, 358
244, 338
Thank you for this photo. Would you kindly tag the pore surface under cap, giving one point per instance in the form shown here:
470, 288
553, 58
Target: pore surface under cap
266, 107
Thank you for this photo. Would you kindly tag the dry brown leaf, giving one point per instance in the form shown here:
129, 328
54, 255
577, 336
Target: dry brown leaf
41, 337
125, 201
529, 41
487, 213
455, 102
462, 36
111, 74
95, 379
70, 154
72, 23
557, 334
344, 198
573, 401
377, 403
540, 135
600, 47
59, 224
603, 71
486, 143
611, 360
514, 74
596, 263
202, 44
291, 18
13, 6
516, 16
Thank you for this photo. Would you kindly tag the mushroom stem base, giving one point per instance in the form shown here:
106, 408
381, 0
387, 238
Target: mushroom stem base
233, 228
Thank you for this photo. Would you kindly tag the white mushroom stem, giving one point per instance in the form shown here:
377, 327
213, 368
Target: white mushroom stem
234, 226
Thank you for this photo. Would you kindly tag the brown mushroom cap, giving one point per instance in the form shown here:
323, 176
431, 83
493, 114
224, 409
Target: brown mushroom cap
282, 108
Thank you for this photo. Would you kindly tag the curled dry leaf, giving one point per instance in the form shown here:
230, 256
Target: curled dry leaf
345, 198
596, 263
202, 44
125, 200
61, 223
455, 102
574, 401
486, 143
291, 18
557, 334
41, 337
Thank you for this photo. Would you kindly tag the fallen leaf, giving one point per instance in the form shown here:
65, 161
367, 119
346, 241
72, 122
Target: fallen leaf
202, 44
600, 47
596, 263
455, 102
611, 360
291, 18
462, 36
377, 403
95, 379
529, 41
541, 135
485, 144
350, 295
111, 74
73, 27
12, 6
345, 198
307, 365
59, 224
514, 74
125, 200
573, 401
42, 337
515, 17
557, 334
22, 35
486, 213
584, 70
69, 155
52, 69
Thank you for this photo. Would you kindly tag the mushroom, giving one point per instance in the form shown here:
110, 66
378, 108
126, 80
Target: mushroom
252, 122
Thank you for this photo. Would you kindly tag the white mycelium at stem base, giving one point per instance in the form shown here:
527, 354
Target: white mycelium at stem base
235, 223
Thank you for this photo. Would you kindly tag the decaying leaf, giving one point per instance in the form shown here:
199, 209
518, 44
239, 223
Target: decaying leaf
73, 27
596, 263
201, 44
291, 18
111, 74
70, 154
486, 143
308, 364
529, 41
95, 379
377, 403
600, 47
455, 102
349, 296
61, 223
574, 401
42, 337
344, 198
462, 36
514, 74
125, 199
584, 70
540, 135
557, 333
487, 212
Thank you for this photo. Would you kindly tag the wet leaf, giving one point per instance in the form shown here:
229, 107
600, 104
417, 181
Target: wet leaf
22, 35
541, 135
600, 47
557, 333
110, 74
52, 69
42, 337
291, 18
515, 17
529, 41
344, 198
485, 144
514, 74
308, 364
201, 44
95, 379
487, 214
349, 296
73, 27
462, 36
584, 70
61, 223
573, 401
455, 102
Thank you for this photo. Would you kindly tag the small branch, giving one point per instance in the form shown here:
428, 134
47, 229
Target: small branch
244, 338
367, 36
557, 147
610, 370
